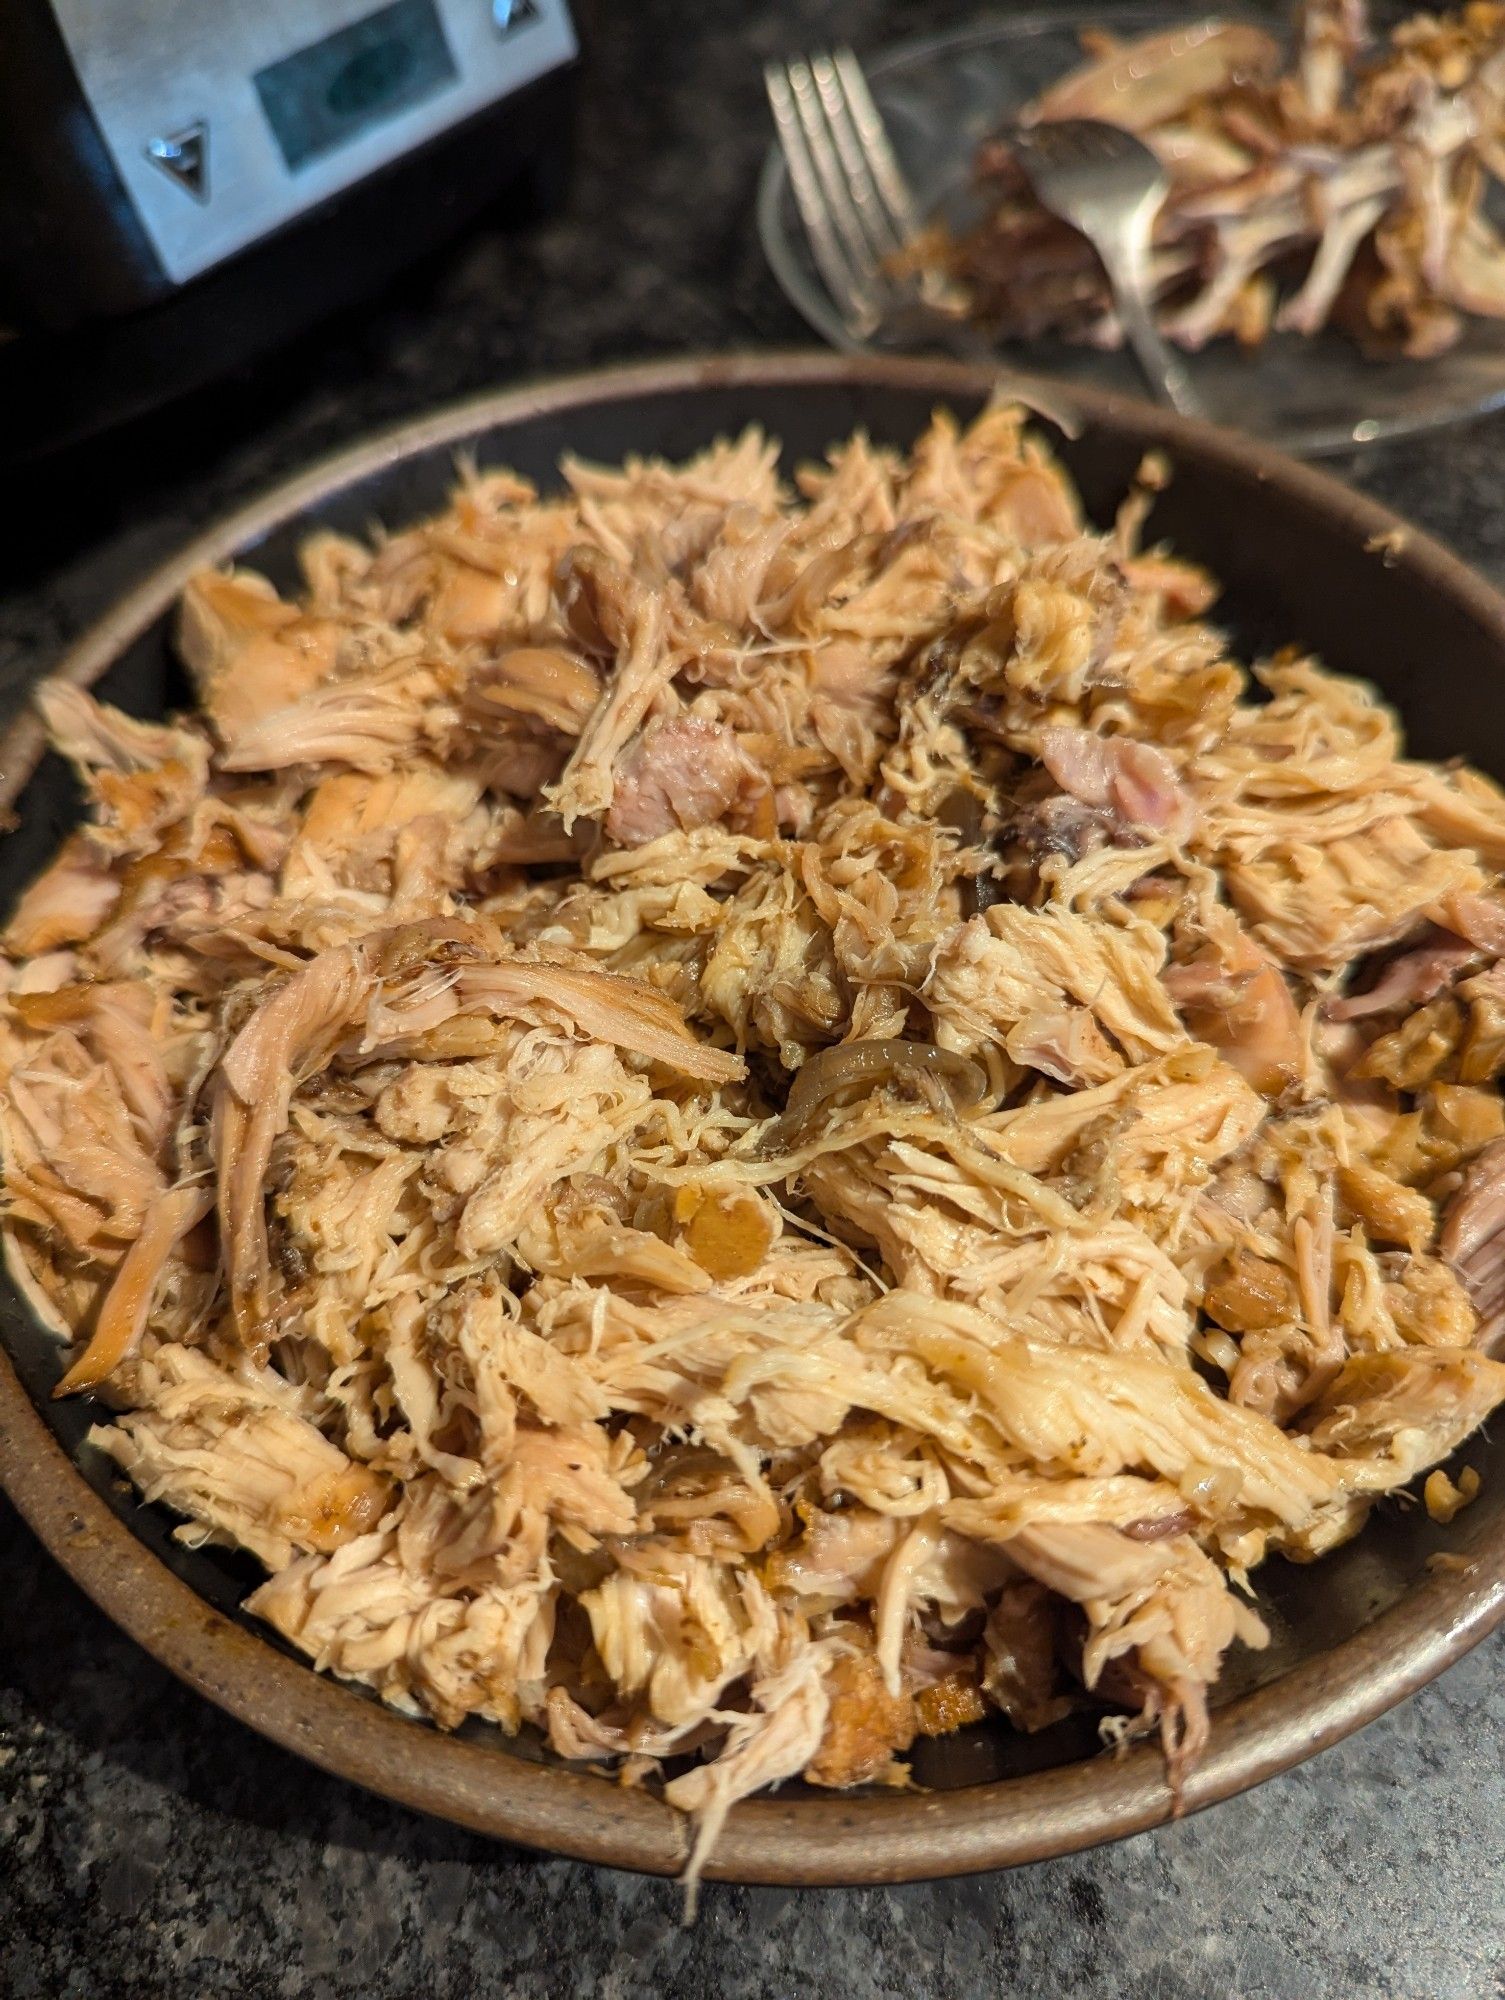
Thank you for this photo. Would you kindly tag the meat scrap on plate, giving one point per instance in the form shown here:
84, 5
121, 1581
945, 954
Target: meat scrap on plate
1356, 186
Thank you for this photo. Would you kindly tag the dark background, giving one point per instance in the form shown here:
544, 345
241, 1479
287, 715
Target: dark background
148, 1845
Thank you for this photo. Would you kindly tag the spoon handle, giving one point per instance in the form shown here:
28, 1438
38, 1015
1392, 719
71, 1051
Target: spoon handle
1126, 259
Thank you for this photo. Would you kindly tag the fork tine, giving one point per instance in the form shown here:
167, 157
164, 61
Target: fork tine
883, 166
842, 280
833, 182
878, 223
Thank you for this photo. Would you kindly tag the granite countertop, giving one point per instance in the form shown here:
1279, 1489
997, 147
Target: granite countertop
151, 1847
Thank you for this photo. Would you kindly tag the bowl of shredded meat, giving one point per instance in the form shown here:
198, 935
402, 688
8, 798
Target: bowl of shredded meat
751, 1116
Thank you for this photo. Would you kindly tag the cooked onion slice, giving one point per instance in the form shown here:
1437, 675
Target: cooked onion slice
868, 1065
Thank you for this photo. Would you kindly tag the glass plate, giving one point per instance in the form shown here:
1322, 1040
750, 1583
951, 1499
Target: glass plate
939, 96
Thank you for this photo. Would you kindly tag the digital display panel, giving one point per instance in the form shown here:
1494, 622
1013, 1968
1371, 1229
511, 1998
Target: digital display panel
334, 90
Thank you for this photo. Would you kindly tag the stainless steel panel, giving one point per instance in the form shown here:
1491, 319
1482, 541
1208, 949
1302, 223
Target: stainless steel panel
159, 73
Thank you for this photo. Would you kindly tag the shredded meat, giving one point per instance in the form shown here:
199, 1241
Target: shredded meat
1346, 189
1473, 1238
736, 1125
1134, 781
685, 773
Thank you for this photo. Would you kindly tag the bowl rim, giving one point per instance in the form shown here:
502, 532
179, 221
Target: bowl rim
841, 1838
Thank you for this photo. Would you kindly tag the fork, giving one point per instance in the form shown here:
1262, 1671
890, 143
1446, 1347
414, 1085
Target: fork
1110, 187
856, 205
860, 215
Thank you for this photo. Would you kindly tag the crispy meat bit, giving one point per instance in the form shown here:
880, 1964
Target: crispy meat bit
865, 1728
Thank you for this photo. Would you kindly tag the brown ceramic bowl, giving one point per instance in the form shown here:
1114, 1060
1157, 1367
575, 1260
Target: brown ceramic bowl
1303, 559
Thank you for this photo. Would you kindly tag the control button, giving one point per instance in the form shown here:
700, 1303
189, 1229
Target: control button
510, 14
185, 157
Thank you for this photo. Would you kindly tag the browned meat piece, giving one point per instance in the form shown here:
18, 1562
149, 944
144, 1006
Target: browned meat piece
1417, 1403
1248, 1294
123, 1316
865, 1728
257, 1075
954, 1702
1063, 825
1429, 1306
1019, 1652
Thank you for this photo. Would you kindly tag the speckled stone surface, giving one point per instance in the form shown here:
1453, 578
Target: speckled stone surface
148, 1846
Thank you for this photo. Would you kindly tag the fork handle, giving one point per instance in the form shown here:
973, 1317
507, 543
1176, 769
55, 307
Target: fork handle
1127, 265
